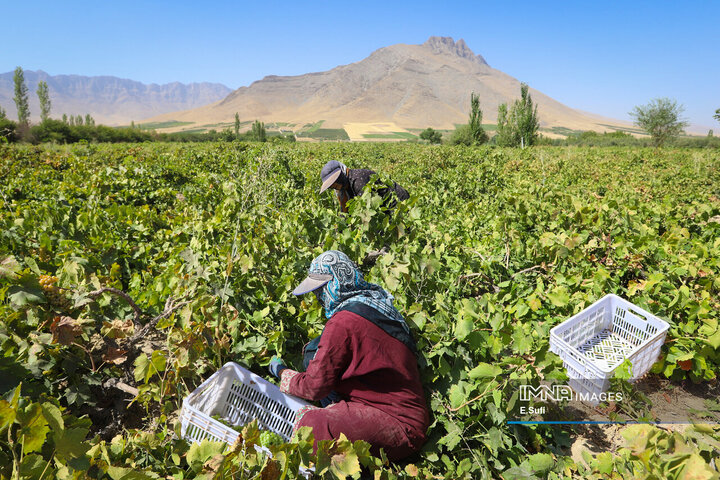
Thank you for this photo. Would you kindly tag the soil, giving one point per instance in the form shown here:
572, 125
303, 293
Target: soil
673, 405
113, 409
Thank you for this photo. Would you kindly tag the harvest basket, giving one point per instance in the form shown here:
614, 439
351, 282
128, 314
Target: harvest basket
597, 340
238, 396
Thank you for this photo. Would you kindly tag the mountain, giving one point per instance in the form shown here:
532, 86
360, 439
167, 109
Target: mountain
110, 100
412, 86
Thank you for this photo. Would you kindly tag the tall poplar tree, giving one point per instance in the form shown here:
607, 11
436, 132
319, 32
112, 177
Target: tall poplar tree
504, 136
237, 124
21, 97
44, 97
477, 133
258, 131
526, 117
519, 127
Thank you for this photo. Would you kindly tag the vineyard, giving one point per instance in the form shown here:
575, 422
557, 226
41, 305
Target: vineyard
131, 273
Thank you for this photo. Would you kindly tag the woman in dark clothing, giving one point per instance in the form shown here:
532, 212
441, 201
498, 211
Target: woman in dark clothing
366, 355
349, 183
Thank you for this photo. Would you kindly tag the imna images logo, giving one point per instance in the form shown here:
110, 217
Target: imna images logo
558, 393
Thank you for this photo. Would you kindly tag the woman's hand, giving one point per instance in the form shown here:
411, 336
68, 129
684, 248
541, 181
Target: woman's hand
276, 366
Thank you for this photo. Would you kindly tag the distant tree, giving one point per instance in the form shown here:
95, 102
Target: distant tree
660, 119
65, 118
258, 131
89, 120
462, 136
132, 123
431, 135
8, 130
504, 135
717, 115
519, 126
471, 133
21, 97
78, 120
52, 131
72, 120
710, 133
3, 114
524, 117
44, 97
237, 124
477, 133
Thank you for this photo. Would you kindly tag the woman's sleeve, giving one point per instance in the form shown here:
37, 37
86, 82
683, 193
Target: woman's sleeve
333, 356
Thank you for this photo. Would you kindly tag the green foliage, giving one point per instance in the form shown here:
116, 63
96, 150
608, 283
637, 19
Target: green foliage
258, 131
504, 135
495, 247
660, 119
21, 97
519, 126
325, 134
44, 98
717, 115
8, 130
472, 133
651, 452
237, 124
524, 116
477, 134
160, 125
431, 135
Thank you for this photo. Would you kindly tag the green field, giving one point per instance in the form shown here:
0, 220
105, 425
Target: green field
331, 134
203, 244
160, 125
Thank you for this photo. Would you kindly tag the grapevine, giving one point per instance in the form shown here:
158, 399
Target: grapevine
133, 274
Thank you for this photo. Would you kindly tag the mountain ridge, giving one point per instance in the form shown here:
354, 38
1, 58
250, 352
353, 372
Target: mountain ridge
412, 86
110, 100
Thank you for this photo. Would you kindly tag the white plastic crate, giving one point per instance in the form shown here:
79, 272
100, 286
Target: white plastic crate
238, 396
597, 340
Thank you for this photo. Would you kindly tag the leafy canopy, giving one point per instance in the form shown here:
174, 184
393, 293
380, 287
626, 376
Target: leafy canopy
431, 135
21, 96
660, 119
520, 126
472, 133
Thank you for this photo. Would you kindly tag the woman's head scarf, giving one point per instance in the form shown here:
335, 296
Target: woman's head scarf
347, 290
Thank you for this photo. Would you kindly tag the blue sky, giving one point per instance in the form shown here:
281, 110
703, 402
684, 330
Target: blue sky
600, 57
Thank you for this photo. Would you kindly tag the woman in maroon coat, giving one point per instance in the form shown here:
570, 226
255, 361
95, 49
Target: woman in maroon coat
365, 358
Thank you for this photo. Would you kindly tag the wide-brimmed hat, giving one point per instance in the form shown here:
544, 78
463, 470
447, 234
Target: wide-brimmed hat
330, 173
312, 282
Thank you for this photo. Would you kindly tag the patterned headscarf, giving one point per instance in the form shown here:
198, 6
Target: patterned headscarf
348, 286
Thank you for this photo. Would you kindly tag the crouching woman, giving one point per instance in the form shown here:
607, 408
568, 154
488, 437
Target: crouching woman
365, 362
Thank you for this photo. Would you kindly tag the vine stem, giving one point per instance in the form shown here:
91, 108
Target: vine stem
120, 293
16, 462
47, 465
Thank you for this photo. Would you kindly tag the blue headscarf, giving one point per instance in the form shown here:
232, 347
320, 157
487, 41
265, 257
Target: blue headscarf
349, 291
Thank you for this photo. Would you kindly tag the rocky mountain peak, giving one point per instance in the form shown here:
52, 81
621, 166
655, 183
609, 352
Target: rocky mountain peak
446, 45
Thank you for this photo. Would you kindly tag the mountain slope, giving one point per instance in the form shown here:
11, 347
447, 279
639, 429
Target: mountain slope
413, 86
110, 100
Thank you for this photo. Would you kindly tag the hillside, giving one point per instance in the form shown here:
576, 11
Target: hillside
110, 100
411, 86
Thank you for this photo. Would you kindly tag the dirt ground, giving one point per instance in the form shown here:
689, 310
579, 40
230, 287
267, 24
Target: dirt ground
356, 130
674, 406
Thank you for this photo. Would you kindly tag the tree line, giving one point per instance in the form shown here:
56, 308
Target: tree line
518, 125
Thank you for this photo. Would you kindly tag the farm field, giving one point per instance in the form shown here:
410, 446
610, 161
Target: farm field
130, 273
